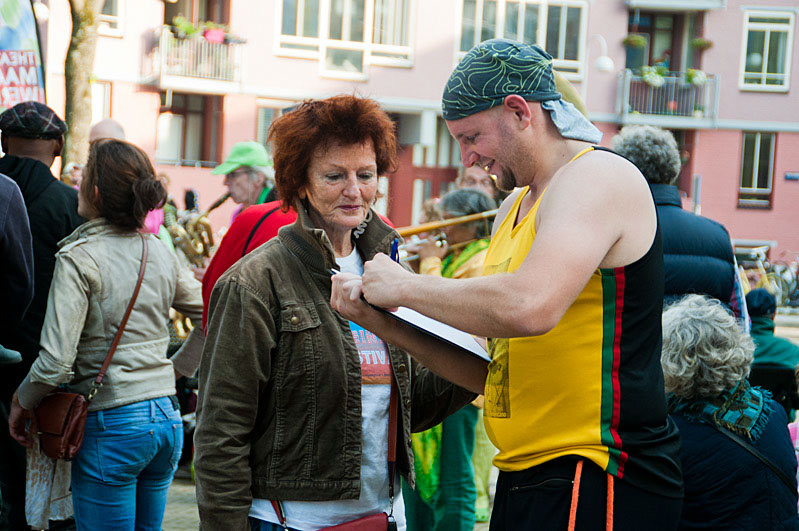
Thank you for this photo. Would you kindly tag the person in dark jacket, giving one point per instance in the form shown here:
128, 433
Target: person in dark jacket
769, 349
16, 264
32, 137
706, 359
697, 252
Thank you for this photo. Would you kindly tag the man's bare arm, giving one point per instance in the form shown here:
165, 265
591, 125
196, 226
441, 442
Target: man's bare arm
579, 224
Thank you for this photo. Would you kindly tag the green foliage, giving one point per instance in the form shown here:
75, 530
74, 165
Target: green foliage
695, 77
700, 43
634, 40
183, 27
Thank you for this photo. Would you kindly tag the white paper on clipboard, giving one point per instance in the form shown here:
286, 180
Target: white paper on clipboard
439, 330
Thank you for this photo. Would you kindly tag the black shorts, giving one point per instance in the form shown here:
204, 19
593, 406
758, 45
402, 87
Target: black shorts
545, 497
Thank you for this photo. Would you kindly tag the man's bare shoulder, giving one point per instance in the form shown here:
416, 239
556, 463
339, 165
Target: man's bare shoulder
599, 178
606, 193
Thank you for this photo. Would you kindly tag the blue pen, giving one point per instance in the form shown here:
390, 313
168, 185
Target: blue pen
395, 250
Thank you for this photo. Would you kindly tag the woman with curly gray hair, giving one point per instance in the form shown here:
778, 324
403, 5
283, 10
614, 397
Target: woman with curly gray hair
652, 149
706, 359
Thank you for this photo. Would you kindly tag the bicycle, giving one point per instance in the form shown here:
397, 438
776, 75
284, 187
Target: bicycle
757, 272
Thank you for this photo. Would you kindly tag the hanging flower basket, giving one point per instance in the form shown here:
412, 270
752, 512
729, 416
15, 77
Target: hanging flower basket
701, 44
634, 40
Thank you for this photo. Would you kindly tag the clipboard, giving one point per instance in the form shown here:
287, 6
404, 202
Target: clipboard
429, 326
441, 331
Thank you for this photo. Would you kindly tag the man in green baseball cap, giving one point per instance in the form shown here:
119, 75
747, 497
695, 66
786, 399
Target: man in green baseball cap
248, 173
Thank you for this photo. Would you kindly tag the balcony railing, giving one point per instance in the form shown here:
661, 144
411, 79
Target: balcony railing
172, 60
672, 99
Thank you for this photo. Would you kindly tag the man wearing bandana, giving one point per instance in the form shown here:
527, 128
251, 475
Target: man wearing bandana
570, 301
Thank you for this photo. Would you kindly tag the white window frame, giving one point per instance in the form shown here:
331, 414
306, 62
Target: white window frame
104, 28
768, 28
101, 109
766, 193
373, 54
571, 69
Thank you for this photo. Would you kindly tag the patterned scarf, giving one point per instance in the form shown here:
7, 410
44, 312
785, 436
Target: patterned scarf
744, 410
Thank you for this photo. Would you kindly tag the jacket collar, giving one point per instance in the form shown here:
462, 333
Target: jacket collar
313, 248
666, 194
90, 228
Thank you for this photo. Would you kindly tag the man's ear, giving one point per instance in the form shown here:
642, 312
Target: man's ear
58, 146
520, 108
260, 178
302, 193
4, 143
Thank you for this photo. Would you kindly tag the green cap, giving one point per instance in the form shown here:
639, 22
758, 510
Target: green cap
243, 154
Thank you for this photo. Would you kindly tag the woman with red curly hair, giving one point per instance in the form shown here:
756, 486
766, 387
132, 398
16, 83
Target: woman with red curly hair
293, 413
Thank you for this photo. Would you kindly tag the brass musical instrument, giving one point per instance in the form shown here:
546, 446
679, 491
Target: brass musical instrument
193, 234
193, 237
436, 225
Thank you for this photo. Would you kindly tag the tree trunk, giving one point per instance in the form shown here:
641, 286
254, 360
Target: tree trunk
78, 69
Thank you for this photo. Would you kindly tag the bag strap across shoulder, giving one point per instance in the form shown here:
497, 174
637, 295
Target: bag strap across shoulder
98, 381
766, 461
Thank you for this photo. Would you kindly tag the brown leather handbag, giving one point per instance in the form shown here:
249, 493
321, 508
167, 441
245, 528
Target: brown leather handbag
379, 521
61, 415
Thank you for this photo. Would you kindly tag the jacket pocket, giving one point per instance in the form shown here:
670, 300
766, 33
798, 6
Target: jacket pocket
296, 318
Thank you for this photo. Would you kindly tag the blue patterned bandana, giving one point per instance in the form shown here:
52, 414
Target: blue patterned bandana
493, 70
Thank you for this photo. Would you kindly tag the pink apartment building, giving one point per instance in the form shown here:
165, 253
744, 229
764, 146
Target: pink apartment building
186, 99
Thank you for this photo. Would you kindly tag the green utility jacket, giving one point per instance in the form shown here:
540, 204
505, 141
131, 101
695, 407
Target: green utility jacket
279, 411
771, 349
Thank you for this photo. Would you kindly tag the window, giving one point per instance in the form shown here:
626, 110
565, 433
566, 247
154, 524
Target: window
766, 50
110, 18
266, 115
757, 165
187, 130
347, 36
558, 26
101, 100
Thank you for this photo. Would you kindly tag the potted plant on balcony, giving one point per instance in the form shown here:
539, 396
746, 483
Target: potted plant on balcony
699, 111
654, 75
696, 77
213, 32
634, 40
701, 44
182, 28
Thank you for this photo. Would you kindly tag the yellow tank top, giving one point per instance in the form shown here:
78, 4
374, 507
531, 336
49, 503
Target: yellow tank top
592, 386
532, 412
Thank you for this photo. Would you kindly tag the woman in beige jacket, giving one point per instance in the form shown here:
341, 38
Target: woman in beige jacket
134, 436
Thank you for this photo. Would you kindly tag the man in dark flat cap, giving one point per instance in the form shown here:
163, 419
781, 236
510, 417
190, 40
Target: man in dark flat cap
32, 136
570, 298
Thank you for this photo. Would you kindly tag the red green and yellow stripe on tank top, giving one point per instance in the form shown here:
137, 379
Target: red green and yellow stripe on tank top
612, 311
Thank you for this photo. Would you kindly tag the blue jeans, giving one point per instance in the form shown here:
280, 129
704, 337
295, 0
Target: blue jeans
121, 476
